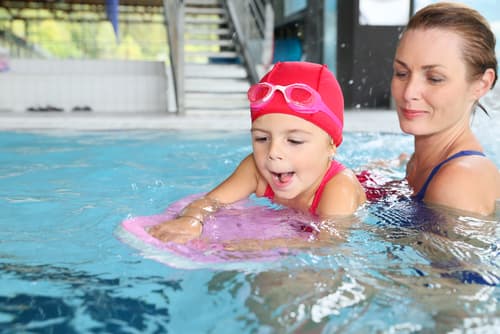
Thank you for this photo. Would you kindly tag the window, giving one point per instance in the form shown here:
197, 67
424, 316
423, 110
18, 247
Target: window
374, 12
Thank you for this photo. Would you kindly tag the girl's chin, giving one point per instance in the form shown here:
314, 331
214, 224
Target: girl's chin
286, 194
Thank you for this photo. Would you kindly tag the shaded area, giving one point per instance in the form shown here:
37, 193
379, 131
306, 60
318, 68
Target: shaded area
457, 248
94, 300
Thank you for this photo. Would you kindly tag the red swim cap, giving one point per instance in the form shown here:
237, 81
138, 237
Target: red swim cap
319, 78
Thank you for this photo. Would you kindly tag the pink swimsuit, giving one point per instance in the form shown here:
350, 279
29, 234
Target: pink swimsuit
335, 168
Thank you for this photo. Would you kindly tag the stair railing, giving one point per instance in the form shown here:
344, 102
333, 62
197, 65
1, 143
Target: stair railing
174, 15
19, 47
253, 23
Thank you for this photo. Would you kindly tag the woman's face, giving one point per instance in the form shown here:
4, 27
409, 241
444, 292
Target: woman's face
430, 85
291, 153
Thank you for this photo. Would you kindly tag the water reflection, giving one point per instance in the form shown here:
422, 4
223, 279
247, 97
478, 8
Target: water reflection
86, 303
437, 271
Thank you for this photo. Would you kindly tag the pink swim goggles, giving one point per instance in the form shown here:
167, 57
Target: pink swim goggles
300, 98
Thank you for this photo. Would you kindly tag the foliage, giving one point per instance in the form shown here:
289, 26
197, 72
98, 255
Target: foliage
92, 38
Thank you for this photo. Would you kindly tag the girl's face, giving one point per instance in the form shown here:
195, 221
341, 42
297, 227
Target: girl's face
430, 85
291, 153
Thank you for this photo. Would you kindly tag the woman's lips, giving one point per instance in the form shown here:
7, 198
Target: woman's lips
411, 114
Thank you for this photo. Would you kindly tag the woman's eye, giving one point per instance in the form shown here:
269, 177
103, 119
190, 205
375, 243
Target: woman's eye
400, 74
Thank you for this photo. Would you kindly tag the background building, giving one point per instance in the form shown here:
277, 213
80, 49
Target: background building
355, 38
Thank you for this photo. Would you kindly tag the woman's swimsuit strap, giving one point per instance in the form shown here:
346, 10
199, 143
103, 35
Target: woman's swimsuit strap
421, 194
335, 168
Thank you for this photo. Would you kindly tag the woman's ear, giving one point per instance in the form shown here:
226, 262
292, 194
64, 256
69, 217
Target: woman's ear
484, 83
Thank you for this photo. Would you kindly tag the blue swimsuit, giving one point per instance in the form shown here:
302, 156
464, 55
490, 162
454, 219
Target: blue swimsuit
421, 194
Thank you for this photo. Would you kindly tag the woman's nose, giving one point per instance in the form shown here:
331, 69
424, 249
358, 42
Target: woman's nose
412, 89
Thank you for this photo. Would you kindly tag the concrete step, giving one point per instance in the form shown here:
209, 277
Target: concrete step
205, 20
221, 54
223, 85
217, 115
216, 101
234, 71
204, 11
210, 57
208, 42
194, 30
216, 110
210, 3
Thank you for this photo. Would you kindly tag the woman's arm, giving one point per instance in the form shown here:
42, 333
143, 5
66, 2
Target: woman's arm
188, 224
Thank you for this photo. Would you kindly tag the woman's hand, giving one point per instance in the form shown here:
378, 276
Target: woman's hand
179, 230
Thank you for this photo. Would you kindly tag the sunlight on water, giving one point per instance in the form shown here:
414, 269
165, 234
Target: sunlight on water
66, 266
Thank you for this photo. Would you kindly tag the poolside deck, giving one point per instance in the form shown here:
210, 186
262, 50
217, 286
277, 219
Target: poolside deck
355, 120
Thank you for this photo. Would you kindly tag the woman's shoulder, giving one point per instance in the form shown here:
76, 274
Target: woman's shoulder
471, 183
468, 166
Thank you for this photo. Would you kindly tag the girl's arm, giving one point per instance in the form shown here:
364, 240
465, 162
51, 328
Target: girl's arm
327, 232
188, 224
239, 185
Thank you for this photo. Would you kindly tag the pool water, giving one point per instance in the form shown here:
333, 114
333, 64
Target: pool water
65, 269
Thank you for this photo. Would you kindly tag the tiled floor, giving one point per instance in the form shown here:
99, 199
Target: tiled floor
355, 120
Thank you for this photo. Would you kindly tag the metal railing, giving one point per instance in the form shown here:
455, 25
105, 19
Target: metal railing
253, 23
174, 15
19, 47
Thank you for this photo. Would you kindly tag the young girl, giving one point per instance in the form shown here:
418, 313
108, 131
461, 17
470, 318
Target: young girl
297, 119
444, 64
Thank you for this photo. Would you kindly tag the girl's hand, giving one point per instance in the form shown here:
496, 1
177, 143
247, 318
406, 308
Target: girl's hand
247, 245
179, 230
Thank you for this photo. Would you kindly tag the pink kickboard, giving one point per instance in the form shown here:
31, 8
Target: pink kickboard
244, 220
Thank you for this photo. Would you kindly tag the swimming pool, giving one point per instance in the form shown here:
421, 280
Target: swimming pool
64, 268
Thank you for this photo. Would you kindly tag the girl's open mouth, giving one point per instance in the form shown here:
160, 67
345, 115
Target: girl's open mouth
282, 179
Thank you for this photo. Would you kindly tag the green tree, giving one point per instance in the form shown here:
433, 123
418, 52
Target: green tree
56, 39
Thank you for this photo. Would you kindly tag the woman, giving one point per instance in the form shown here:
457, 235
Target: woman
445, 62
